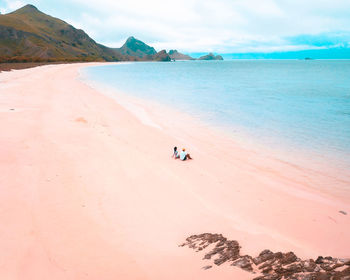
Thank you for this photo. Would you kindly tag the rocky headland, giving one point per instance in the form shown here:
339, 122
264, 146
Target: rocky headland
175, 55
161, 56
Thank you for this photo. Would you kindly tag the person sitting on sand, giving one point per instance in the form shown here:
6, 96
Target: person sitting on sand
176, 153
184, 155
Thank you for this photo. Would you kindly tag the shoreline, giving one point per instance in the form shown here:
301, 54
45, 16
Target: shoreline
162, 116
9, 66
90, 192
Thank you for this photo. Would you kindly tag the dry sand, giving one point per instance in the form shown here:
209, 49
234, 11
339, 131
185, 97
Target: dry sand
89, 190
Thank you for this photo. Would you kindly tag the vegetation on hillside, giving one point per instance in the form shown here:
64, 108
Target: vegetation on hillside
28, 35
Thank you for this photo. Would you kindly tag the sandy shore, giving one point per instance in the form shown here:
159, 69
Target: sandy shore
89, 190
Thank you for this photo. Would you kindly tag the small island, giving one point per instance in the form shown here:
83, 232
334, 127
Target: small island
211, 56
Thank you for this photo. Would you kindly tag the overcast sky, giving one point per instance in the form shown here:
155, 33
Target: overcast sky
224, 26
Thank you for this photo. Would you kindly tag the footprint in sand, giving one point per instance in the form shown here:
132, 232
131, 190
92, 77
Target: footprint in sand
81, 119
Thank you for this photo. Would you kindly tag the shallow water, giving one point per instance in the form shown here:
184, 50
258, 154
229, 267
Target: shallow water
295, 106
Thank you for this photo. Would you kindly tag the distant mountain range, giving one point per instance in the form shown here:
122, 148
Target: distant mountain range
29, 35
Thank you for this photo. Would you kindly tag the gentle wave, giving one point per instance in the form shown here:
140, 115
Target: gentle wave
297, 106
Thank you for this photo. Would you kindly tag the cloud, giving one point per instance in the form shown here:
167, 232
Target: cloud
202, 25
223, 25
8, 6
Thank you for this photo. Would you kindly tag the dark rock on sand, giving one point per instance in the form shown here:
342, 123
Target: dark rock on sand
244, 262
224, 250
263, 257
270, 265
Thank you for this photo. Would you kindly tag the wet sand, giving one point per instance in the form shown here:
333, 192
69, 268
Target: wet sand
89, 189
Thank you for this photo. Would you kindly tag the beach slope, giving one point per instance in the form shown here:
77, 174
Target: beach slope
88, 191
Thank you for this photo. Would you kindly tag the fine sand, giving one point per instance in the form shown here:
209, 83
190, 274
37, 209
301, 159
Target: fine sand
89, 189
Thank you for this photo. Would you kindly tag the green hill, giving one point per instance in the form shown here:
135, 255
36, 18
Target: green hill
135, 47
30, 35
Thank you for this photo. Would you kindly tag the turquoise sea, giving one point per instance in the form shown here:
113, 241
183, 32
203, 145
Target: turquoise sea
298, 106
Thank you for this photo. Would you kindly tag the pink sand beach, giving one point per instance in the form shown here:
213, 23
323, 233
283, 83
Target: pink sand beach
89, 190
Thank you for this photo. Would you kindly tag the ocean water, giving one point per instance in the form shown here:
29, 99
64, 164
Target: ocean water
296, 106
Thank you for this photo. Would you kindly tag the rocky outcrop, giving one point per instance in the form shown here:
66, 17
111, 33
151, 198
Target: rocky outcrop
175, 55
161, 56
211, 56
269, 265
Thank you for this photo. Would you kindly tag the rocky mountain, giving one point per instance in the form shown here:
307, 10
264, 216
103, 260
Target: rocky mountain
211, 56
30, 35
137, 48
175, 55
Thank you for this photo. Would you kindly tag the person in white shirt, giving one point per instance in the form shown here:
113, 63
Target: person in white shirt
184, 155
